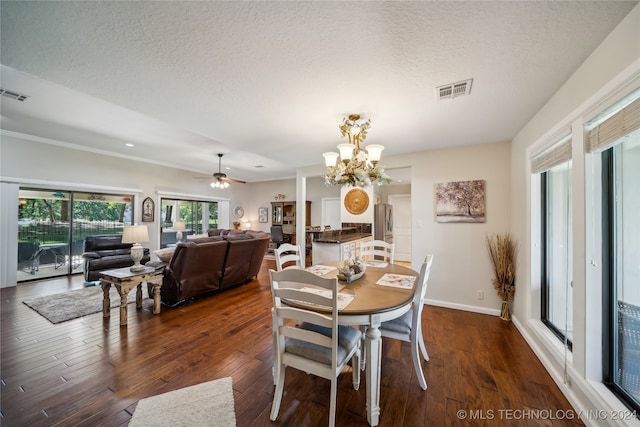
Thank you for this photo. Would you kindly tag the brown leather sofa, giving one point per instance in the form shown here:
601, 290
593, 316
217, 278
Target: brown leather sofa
208, 265
107, 252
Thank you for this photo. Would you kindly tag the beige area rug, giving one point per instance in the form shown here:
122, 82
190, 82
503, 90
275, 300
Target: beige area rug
65, 306
207, 404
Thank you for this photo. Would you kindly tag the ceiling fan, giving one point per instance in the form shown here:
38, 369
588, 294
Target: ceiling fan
220, 180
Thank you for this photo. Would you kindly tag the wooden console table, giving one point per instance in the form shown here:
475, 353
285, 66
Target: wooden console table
125, 280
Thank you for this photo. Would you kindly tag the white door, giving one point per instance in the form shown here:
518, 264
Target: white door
331, 212
401, 225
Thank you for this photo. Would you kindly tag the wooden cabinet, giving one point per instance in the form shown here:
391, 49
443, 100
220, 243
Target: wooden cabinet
284, 213
276, 213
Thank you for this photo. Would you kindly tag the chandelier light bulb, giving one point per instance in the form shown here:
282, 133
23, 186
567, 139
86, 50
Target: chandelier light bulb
330, 158
346, 151
375, 153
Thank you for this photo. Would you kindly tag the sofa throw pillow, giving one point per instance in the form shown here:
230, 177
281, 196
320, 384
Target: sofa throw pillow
165, 254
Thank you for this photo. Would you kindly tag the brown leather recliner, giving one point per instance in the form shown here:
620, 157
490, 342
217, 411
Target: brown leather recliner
107, 252
211, 264
195, 269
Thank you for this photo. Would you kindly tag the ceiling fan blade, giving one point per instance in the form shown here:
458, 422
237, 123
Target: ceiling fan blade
239, 181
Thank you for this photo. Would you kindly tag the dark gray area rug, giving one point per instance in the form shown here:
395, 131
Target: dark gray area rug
69, 305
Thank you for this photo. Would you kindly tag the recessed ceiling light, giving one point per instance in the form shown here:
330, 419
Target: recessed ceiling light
129, 145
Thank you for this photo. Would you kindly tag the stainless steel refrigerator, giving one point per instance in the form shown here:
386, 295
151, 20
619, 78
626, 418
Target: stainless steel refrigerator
383, 223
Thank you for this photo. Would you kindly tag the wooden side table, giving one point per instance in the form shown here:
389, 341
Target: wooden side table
125, 280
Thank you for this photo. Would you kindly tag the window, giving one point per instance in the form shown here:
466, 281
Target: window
554, 167
198, 217
621, 249
556, 217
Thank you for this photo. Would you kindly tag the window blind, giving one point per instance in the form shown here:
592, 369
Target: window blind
554, 156
615, 127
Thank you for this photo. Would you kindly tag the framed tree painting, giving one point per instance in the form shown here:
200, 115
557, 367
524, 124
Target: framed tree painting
148, 209
263, 214
460, 201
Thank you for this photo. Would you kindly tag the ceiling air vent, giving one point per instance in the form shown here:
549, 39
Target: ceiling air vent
454, 89
13, 95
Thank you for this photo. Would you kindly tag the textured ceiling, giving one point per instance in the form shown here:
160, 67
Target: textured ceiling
268, 83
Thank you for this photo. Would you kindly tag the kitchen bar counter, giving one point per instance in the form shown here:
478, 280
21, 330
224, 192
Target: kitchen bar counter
341, 238
332, 251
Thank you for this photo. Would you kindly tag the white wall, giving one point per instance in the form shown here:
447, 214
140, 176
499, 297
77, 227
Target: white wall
461, 265
614, 64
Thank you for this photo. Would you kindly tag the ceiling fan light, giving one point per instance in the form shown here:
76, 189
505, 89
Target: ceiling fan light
219, 184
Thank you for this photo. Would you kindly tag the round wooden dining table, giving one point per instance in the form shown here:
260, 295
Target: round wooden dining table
372, 305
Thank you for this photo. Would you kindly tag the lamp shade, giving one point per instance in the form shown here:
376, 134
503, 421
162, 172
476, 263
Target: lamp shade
375, 152
330, 158
179, 226
346, 151
135, 234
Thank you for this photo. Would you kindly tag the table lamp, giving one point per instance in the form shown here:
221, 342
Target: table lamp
179, 227
136, 234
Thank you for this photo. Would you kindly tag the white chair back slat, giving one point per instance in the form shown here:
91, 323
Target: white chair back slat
287, 253
369, 250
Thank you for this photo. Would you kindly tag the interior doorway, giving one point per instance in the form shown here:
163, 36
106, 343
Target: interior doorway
401, 225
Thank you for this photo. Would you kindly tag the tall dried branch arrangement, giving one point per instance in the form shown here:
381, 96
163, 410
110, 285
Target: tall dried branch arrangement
502, 251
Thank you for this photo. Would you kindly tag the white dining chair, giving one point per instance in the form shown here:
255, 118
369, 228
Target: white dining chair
369, 250
287, 253
318, 345
408, 327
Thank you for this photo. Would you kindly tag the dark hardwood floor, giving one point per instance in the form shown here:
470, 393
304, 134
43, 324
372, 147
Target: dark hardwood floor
92, 372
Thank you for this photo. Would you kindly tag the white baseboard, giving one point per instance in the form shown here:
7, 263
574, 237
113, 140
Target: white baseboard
463, 307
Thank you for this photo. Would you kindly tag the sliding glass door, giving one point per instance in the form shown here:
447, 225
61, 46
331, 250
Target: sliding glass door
52, 226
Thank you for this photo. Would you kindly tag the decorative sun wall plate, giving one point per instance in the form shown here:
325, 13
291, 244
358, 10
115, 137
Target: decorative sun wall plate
356, 201
238, 212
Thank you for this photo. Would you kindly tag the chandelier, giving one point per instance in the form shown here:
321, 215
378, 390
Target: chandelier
358, 166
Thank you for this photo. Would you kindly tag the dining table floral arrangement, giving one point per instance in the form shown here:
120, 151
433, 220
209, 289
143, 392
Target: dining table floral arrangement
351, 270
502, 253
